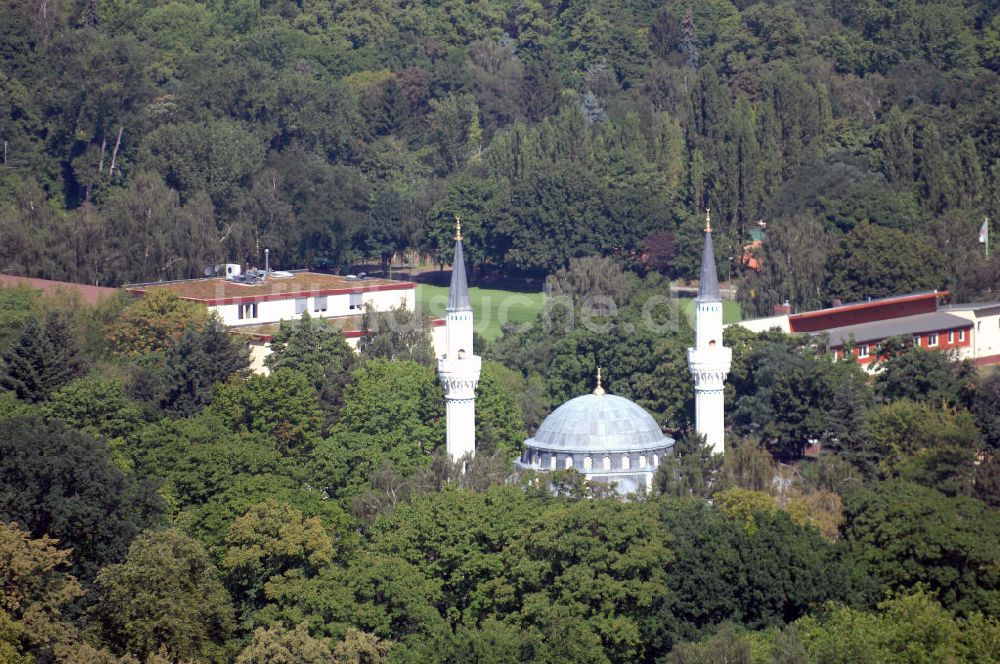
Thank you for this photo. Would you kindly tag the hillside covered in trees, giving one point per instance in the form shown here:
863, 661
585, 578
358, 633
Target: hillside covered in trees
160, 504
146, 140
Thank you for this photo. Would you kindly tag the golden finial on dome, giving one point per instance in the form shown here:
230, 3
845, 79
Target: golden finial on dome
599, 391
458, 227
708, 220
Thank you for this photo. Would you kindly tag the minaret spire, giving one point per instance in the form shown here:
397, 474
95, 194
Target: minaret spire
708, 284
599, 391
458, 292
709, 360
459, 368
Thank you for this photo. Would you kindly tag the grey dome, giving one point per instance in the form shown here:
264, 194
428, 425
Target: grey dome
598, 423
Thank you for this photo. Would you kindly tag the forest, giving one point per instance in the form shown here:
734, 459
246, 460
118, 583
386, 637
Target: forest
161, 504
148, 140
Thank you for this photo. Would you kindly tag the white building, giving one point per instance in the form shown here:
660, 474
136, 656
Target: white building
255, 304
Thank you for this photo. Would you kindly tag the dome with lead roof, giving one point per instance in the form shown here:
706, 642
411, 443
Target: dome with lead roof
599, 423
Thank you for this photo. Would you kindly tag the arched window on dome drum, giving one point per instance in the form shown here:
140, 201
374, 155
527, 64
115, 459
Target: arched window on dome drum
642, 460
588, 463
656, 461
552, 462
607, 463
625, 462
569, 462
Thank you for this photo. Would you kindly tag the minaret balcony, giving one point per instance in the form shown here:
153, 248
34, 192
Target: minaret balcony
460, 375
710, 365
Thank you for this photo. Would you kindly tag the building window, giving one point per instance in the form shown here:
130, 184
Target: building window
863, 351
301, 304
569, 462
246, 310
932, 339
319, 304
607, 463
356, 301
588, 463
916, 339
642, 460
951, 336
552, 462
961, 335
656, 461
626, 462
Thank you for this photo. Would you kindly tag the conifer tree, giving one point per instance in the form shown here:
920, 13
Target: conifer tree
43, 359
200, 359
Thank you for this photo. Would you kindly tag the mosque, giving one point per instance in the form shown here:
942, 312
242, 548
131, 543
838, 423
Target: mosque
605, 437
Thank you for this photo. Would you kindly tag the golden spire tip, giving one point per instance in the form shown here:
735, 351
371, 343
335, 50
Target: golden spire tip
708, 220
599, 391
458, 227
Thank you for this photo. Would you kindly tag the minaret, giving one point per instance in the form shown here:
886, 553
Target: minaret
459, 368
709, 360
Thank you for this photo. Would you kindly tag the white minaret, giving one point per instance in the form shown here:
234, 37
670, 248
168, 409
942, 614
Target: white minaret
709, 360
459, 368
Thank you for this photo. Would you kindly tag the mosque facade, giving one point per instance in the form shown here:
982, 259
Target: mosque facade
605, 437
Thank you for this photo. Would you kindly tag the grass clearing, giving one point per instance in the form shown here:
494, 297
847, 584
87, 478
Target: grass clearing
491, 307
731, 312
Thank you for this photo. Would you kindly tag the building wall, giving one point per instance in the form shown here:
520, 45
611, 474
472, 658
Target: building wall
274, 311
985, 348
987, 335
759, 325
957, 341
439, 338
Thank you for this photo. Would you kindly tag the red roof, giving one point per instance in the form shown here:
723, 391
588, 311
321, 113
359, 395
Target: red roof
87, 294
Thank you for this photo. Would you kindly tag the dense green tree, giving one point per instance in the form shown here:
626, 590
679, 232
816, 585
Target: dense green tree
592, 282
272, 538
905, 428
907, 627
986, 407
690, 470
875, 262
44, 358
278, 645
200, 359
926, 375
318, 351
581, 560
721, 570
35, 589
59, 482
196, 458
154, 323
100, 408
784, 389
283, 405
166, 593
401, 405
908, 534
396, 334
499, 419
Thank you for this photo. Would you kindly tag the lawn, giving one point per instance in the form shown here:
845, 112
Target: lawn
490, 307
731, 312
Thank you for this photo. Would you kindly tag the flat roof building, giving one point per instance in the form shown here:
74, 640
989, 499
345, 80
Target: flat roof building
972, 331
